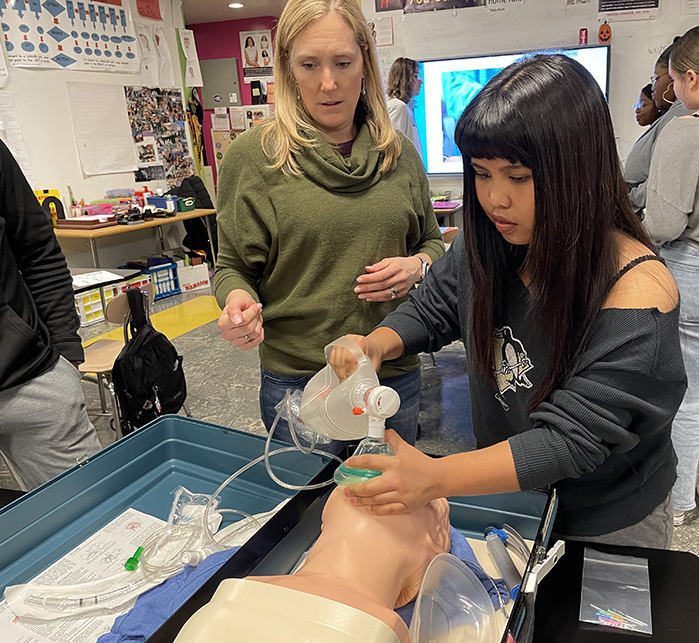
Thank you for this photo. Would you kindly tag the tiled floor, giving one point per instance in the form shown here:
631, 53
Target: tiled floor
223, 386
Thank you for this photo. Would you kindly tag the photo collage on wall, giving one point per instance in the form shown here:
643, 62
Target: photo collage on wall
159, 130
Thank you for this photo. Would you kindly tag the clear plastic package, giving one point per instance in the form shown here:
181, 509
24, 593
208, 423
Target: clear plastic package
616, 591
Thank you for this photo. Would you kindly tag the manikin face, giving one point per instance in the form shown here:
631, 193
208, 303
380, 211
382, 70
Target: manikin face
506, 194
327, 63
646, 111
686, 88
661, 81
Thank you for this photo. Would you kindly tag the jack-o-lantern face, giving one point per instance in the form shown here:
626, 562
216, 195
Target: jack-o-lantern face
604, 35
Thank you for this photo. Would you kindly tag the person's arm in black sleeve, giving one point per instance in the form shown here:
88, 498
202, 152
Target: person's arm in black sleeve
628, 389
39, 258
429, 320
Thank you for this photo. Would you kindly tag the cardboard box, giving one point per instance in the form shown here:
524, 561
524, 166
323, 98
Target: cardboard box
194, 278
448, 234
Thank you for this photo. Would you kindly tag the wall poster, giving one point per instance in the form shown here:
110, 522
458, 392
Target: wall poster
159, 130
617, 10
70, 35
149, 9
257, 55
420, 6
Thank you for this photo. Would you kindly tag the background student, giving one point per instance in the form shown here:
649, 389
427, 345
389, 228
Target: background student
44, 428
672, 220
404, 84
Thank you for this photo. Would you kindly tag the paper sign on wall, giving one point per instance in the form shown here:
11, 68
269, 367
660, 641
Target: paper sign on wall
690, 6
193, 77
417, 6
498, 6
15, 140
70, 35
101, 127
149, 55
618, 10
381, 30
149, 9
166, 74
257, 55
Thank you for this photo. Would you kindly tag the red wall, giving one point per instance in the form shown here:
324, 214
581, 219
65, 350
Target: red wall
221, 40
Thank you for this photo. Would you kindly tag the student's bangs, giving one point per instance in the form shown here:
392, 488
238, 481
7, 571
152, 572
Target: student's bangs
490, 129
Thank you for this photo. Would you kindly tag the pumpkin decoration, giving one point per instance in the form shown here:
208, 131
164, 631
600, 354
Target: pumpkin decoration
604, 35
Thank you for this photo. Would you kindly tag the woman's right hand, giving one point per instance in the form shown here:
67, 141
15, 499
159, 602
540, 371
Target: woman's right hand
240, 322
344, 363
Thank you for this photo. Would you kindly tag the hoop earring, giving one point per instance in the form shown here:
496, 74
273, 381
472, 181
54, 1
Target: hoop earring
667, 90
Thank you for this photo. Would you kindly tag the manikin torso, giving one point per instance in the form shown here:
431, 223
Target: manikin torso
370, 563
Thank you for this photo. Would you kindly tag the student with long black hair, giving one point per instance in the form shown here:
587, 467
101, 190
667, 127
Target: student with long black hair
569, 320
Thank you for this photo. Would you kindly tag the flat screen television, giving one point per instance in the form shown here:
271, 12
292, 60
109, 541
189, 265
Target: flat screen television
449, 85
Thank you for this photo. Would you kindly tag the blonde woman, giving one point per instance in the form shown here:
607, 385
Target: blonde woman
324, 211
404, 84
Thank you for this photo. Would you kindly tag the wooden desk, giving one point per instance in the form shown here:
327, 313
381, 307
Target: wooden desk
93, 235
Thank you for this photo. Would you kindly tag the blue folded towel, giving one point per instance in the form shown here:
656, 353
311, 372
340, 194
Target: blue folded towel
156, 605
159, 603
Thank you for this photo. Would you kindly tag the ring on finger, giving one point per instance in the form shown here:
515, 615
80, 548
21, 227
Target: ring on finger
393, 292
248, 338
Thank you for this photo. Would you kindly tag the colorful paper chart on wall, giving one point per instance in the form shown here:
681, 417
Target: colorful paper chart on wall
159, 130
66, 34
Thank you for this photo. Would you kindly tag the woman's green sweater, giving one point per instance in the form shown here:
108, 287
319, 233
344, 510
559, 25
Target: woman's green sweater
298, 243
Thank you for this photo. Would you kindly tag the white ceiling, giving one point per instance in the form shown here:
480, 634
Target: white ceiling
198, 11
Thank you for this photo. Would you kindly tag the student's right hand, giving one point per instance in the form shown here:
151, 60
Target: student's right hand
240, 322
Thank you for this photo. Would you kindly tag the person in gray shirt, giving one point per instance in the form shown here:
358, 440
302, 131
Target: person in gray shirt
672, 221
637, 167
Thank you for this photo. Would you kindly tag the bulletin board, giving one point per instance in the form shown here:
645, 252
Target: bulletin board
159, 129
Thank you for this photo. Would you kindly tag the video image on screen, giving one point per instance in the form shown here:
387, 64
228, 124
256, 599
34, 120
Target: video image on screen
458, 89
450, 85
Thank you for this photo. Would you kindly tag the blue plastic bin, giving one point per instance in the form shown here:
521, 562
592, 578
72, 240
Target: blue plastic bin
141, 471
165, 279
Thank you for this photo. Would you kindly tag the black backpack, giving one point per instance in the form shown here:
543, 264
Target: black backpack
147, 375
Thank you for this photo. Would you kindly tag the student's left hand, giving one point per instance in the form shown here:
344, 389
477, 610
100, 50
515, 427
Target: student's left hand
409, 480
399, 273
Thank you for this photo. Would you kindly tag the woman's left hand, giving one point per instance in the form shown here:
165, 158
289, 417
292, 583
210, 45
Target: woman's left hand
389, 279
409, 480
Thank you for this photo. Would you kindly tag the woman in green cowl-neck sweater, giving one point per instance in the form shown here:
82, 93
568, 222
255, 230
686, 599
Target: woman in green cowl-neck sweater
325, 221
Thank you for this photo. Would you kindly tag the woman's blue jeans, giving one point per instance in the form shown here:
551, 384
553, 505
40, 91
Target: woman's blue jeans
683, 262
273, 389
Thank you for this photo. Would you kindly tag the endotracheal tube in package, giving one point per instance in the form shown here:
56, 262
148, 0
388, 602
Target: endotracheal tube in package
616, 592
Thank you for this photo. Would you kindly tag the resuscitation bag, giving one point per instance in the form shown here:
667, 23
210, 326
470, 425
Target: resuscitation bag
328, 406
